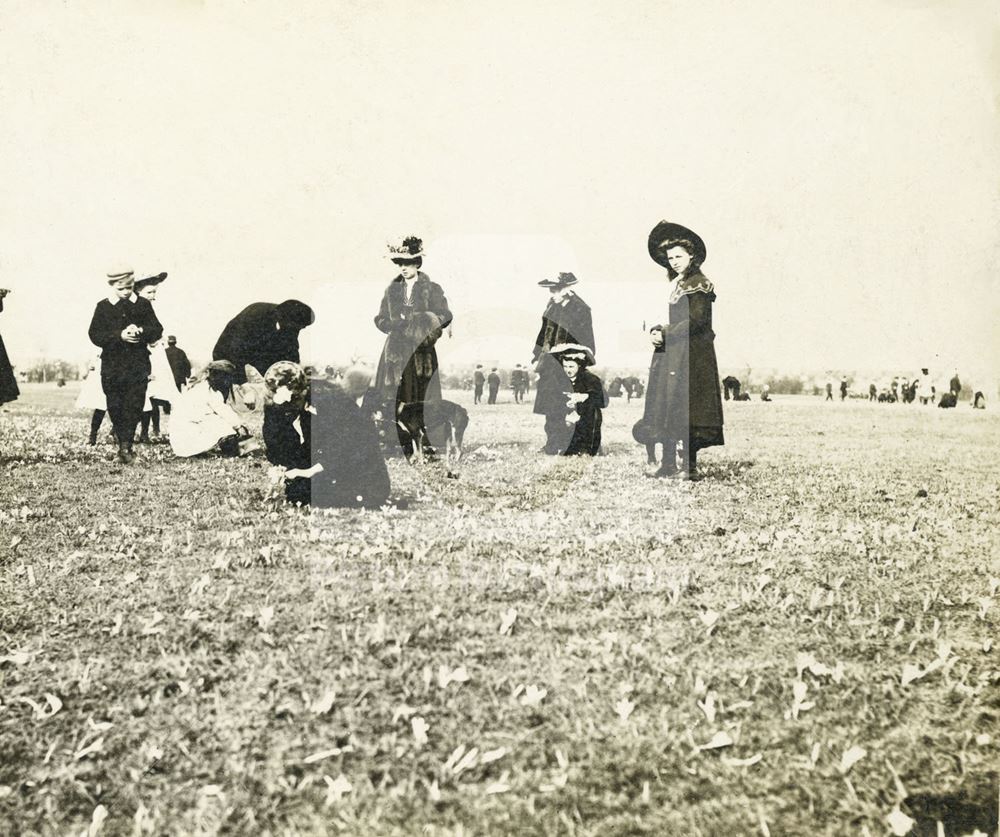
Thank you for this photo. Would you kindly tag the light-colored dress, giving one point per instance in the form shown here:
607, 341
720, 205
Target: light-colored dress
91, 395
200, 419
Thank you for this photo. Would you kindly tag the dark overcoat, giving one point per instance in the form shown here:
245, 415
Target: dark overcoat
254, 338
407, 368
586, 439
683, 399
180, 366
568, 321
8, 383
121, 362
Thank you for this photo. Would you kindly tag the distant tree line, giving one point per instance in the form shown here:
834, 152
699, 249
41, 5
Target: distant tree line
50, 370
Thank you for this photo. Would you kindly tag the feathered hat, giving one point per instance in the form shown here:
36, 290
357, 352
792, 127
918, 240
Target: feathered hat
410, 250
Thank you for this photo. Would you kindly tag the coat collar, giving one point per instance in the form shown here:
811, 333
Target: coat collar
693, 284
114, 299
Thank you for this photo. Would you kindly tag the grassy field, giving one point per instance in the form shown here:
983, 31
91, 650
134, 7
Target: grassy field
803, 643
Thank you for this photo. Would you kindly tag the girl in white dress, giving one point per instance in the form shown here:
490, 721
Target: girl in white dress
91, 397
161, 390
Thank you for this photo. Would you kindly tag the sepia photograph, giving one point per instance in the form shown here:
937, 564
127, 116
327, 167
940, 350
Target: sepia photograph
451, 419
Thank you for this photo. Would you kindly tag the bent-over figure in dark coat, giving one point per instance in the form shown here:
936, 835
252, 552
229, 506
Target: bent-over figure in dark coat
262, 334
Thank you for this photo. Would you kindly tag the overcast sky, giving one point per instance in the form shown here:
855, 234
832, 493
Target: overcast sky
840, 160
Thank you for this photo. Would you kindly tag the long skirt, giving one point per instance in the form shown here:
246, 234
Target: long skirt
683, 398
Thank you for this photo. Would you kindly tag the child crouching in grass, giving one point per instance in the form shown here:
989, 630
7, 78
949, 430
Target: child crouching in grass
203, 419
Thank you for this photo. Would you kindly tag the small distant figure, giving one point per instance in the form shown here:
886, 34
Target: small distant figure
829, 391
633, 387
180, 366
9, 390
948, 401
843, 388
743, 396
979, 400
615, 389
927, 388
478, 382
955, 385
895, 389
872, 392
731, 386
584, 400
765, 394
493, 380
519, 383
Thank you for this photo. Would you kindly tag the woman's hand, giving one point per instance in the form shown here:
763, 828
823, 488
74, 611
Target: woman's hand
305, 473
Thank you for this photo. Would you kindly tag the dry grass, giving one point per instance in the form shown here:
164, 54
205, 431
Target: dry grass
184, 654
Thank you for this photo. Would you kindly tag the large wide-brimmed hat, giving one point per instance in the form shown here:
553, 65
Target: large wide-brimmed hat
149, 280
563, 280
574, 351
411, 249
668, 231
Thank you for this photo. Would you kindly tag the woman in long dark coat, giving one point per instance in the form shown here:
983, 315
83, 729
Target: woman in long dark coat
8, 383
413, 313
683, 400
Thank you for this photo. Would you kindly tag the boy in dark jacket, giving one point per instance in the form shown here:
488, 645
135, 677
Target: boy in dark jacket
123, 326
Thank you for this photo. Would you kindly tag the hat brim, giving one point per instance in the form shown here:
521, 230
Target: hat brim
401, 258
555, 283
151, 280
575, 351
669, 231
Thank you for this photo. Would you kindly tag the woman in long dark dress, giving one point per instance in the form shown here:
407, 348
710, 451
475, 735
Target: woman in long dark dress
413, 313
8, 383
683, 401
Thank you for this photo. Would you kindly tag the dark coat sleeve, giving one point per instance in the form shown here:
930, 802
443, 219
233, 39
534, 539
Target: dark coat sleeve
146, 319
281, 441
105, 330
383, 320
439, 305
589, 383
